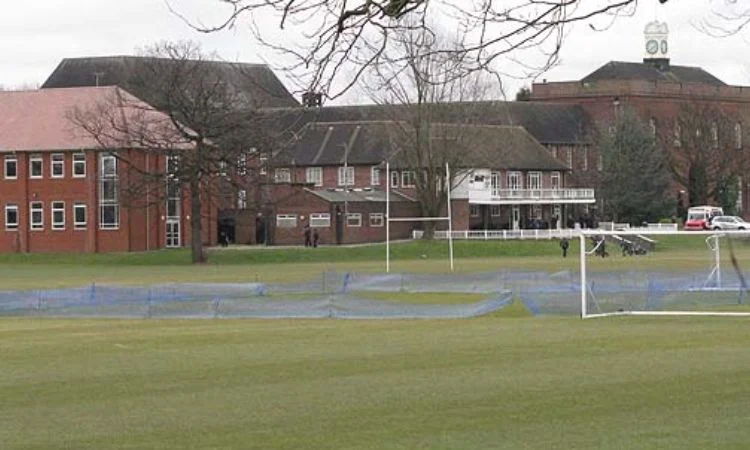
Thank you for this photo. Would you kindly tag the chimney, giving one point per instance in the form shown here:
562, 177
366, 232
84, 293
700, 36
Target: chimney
312, 99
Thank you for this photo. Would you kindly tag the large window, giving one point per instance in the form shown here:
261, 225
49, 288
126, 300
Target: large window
354, 220
58, 215
286, 221
37, 215
11, 217
375, 176
314, 175
57, 165
282, 176
514, 180
11, 167
407, 179
320, 220
346, 176
35, 167
109, 206
377, 219
79, 216
535, 180
555, 180
79, 165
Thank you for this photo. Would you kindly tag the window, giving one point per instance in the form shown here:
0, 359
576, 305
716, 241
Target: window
600, 163
570, 157
554, 152
474, 210
11, 167
35, 167
354, 220
263, 161
375, 176
109, 206
282, 176
535, 180
57, 165
173, 199
79, 165
715, 134
652, 126
320, 220
514, 180
58, 215
394, 179
407, 179
346, 176
222, 168
738, 135
242, 164
37, 215
314, 175
536, 212
11, 217
79, 216
286, 221
585, 164
494, 210
242, 199
677, 134
555, 180
173, 166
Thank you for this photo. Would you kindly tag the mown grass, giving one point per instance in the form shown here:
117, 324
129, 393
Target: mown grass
666, 383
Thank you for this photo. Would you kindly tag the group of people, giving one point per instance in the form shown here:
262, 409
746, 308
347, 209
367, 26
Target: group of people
311, 237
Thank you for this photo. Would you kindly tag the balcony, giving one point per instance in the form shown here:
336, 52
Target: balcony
531, 196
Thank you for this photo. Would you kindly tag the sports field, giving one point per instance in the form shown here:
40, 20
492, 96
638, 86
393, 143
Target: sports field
502, 381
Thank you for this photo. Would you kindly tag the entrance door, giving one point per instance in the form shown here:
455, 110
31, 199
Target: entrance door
173, 233
557, 213
516, 219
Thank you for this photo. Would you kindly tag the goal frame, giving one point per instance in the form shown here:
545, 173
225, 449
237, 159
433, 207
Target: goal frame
584, 234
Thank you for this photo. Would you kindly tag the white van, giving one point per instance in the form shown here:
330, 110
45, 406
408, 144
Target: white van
699, 217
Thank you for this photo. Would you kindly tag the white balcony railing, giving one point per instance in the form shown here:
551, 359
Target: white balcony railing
519, 196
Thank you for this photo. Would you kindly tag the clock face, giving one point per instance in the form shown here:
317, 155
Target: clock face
652, 46
664, 47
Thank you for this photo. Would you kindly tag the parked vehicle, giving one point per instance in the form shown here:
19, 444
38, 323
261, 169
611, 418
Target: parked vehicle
729, 223
700, 217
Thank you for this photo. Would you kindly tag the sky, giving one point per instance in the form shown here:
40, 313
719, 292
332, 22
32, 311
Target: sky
36, 35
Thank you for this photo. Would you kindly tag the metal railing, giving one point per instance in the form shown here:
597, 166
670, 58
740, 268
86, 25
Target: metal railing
569, 233
543, 194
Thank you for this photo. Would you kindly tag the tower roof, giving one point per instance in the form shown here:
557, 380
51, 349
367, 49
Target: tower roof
618, 70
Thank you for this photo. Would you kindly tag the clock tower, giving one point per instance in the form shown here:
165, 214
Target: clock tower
656, 40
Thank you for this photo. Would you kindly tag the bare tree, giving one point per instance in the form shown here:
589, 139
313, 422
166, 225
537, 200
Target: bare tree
206, 140
336, 40
431, 105
705, 151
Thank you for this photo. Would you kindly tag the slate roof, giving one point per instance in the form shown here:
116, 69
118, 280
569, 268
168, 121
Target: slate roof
374, 195
548, 123
256, 81
371, 143
618, 70
40, 120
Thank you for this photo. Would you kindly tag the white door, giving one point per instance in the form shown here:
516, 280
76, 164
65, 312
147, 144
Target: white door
557, 212
516, 216
173, 233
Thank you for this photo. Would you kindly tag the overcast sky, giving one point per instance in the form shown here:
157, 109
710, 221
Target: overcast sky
36, 35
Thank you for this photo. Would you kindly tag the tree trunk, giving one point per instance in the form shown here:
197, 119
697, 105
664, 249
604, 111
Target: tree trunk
429, 230
196, 223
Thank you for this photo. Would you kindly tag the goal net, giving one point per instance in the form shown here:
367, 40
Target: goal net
664, 273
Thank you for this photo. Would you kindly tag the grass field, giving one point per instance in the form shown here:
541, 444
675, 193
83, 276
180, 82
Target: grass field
505, 381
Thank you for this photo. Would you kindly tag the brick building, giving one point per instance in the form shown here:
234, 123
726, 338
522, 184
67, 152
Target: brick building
61, 192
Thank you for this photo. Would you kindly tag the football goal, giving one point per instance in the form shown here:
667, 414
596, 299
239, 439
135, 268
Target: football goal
652, 272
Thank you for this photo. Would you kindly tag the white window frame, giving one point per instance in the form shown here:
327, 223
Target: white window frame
585, 164
320, 220
242, 199
495, 211
263, 165
534, 180
11, 226
286, 220
346, 176
394, 179
9, 159
57, 206
36, 207
57, 159
36, 159
77, 225
375, 176
282, 175
242, 164
353, 220
314, 176
109, 203
474, 210
515, 180
79, 160
677, 134
555, 176
570, 157
738, 135
377, 220
407, 178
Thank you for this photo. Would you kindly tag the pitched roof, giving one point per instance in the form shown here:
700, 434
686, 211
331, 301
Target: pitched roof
618, 70
371, 143
41, 120
548, 123
357, 195
255, 81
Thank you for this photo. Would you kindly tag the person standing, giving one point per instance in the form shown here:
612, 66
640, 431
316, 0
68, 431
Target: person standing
316, 238
564, 244
308, 242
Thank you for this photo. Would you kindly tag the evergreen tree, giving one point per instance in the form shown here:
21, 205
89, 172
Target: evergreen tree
635, 181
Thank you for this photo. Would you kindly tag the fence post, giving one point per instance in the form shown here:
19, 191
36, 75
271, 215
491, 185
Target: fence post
485, 234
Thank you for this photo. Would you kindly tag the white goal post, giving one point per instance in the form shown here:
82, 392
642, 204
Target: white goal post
697, 273
389, 219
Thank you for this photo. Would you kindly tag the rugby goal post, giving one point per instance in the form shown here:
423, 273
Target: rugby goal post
389, 219
664, 273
